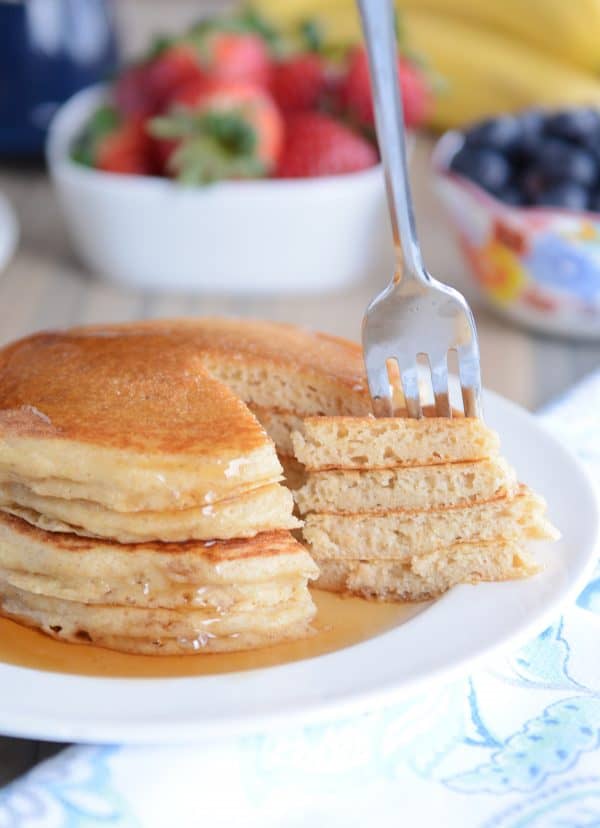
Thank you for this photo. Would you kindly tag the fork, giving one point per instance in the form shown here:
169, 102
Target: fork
416, 315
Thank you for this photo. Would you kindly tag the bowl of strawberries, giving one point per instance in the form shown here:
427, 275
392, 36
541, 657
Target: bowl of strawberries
229, 159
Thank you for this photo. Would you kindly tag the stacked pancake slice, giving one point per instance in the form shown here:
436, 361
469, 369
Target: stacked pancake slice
405, 509
141, 503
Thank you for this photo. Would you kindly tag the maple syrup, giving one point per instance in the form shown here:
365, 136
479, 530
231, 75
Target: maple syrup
341, 621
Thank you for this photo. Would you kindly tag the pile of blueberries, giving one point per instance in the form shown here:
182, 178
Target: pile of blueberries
546, 159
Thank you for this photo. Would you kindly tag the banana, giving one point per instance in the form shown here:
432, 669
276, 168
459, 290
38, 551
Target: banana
486, 73
337, 19
288, 13
567, 29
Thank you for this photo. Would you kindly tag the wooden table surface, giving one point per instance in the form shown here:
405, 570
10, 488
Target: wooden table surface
44, 286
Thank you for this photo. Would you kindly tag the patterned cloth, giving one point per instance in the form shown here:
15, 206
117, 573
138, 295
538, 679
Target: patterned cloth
513, 745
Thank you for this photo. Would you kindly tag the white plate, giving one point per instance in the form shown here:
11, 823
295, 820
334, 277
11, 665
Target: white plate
467, 624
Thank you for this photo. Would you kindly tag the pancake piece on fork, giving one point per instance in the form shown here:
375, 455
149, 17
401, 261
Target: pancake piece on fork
404, 509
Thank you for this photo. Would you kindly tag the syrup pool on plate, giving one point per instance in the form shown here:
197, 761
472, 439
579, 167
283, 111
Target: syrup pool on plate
341, 621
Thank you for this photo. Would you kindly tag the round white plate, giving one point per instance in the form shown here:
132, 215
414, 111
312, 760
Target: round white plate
467, 624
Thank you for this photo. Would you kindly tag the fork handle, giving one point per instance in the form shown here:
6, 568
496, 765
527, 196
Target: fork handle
379, 32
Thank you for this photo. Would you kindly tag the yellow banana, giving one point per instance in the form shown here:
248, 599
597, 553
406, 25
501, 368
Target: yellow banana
486, 73
337, 19
567, 29
288, 13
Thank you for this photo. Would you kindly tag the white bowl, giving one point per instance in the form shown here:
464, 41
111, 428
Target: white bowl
284, 236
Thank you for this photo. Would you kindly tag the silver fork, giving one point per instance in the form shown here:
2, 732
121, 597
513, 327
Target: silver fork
415, 315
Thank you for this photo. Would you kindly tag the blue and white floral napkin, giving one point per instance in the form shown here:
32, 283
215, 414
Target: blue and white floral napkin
514, 745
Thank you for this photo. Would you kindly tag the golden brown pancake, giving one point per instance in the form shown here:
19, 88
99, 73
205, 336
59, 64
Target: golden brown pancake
138, 416
238, 597
141, 433
147, 569
162, 631
259, 510
248, 592
268, 364
281, 371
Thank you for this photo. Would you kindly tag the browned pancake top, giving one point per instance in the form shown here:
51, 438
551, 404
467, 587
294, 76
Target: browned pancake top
276, 342
145, 393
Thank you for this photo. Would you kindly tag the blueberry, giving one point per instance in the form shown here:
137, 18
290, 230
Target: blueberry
592, 144
573, 124
532, 184
531, 124
487, 168
499, 134
567, 195
594, 202
562, 162
511, 194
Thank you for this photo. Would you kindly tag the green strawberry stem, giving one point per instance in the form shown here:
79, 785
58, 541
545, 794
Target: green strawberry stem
247, 21
211, 146
105, 120
311, 35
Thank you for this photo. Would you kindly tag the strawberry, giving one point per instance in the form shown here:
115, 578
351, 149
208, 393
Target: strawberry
131, 92
416, 93
299, 82
235, 48
317, 144
217, 130
114, 143
230, 57
357, 101
144, 89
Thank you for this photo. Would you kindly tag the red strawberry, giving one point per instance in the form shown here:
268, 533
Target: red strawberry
416, 93
115, 144
231, 57
144, 89
317, 144
357, 101
215, 131
190, 94
298, 83
131, 92
126, 150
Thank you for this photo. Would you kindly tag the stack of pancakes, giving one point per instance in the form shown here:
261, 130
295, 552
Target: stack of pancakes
141, 504
405, 509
